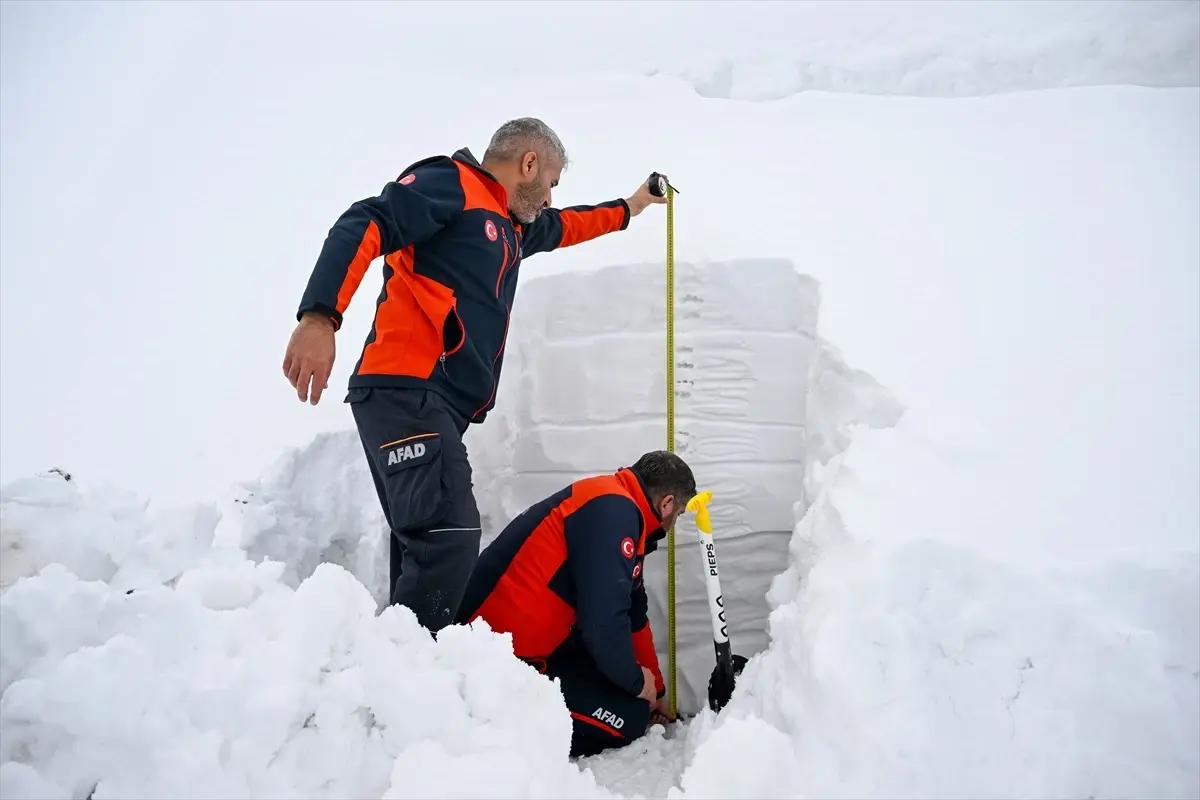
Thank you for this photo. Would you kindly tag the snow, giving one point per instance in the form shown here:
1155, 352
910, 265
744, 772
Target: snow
589, 351
924, 668
939, 362
229, 684
934, 49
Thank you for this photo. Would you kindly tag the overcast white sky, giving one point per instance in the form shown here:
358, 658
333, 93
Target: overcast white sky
169, 170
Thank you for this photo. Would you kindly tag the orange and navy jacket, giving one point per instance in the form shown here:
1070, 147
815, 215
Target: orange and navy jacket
451, 258
567, 573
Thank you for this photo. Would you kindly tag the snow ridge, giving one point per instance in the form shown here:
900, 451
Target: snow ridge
905, 664
1140, 44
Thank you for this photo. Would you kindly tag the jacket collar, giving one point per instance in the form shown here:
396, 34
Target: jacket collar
464, 156
652, 530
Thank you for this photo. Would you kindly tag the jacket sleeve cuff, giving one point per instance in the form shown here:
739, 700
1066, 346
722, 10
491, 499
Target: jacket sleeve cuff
636, 688
628, 214
321, 308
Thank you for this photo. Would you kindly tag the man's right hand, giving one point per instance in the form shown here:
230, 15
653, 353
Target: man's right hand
309, 356
660, 712
649, 687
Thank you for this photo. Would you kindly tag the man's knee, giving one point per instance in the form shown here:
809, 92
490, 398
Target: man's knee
443, 556
605, 730
432, 581
452, 552
603, 716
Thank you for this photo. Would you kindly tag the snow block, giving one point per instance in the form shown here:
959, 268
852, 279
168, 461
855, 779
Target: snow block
584, 392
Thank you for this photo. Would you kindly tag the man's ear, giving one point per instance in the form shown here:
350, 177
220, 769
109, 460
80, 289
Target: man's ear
667, 505
529, 164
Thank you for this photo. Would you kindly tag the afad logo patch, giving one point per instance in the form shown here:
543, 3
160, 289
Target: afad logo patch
407, 179
410, 451
627, 547
405, 453
489, 228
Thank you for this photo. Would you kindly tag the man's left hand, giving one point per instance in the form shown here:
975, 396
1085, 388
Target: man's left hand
660, 712
641, 199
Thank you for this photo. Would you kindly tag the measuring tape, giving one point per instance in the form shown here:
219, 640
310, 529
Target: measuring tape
659, 187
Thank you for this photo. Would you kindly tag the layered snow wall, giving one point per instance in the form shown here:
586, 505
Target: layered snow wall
760, 402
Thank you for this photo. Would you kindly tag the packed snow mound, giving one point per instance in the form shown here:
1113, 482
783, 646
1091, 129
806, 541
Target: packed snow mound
99, 533
316, 504
920, 51
229, 683
905, 664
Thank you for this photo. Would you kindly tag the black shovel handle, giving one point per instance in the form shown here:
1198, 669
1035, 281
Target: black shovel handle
724, 677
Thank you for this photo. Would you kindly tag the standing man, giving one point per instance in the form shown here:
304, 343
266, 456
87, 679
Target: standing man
452, 232
565, 580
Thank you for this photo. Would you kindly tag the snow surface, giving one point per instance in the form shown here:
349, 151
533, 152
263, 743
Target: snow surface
933, 49
943, 382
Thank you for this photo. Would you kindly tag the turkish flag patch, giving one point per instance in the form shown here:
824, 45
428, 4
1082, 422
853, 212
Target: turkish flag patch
627, 547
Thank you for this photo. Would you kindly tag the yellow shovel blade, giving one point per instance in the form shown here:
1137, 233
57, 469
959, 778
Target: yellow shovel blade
698, 505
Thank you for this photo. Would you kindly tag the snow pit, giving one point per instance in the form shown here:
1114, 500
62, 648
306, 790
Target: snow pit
238, 633
237, 649
760, 400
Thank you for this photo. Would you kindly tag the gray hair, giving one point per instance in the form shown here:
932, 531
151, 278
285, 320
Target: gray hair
518, 136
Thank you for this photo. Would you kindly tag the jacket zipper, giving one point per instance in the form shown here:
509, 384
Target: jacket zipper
507, 316
503, 268
494, 360
462, 339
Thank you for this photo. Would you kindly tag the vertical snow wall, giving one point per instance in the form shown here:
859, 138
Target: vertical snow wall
760, 400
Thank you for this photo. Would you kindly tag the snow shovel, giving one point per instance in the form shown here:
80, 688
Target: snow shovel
729, 666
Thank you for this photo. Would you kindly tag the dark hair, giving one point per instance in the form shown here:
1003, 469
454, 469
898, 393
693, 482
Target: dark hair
665, 473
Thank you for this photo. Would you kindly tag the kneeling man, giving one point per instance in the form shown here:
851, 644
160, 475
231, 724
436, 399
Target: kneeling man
565, 579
